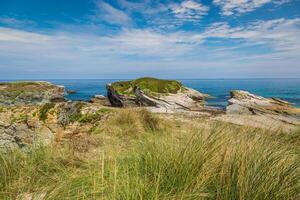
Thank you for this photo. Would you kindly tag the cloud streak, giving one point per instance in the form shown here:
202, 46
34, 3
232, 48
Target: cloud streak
111, 15
230, 7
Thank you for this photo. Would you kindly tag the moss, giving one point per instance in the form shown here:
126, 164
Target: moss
44, 110
1, 109
149, 86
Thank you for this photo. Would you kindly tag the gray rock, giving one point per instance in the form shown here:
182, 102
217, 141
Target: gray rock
243, 102
31, 93
19, 135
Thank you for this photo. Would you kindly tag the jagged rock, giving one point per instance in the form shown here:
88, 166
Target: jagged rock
21, 93
165, 94
243, 102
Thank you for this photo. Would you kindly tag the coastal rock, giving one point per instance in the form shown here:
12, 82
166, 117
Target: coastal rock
31, 93
243, 102
71, 91
169, 95
100, 99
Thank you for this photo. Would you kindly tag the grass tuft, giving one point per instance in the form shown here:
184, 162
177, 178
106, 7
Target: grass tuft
219, 161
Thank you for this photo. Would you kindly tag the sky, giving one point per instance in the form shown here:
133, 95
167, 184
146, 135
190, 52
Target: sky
102, 39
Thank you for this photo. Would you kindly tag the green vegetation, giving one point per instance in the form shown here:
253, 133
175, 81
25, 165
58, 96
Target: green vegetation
148, 85
44, 111
21, 83
20, 118
166, 159
21, 86
75, 115
94, 117
2, 109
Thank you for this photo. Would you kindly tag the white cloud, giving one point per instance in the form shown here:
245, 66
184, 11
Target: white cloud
16, 22
189, 10
281, 35
230, 7
81, 51
106, 12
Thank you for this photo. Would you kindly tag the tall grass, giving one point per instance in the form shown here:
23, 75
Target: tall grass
219, 162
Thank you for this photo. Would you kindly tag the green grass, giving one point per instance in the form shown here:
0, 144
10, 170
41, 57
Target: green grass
148, 85
19, 119
145, 156
219, 161
93, 117
20, 83
22, 86
44, 111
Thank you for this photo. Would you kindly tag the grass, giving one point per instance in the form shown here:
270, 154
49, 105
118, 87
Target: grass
166, 159
44, 111
148, 85
24, 86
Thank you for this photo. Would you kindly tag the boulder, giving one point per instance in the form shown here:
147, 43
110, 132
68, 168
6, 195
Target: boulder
31, 93
165, 94
243, 102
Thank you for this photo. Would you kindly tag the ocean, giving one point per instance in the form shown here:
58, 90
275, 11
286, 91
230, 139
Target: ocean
286, 89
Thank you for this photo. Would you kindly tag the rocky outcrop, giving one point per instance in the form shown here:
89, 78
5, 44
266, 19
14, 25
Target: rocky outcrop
119, 100
31, 93
100, 99
164, 94
243, 102
22, 134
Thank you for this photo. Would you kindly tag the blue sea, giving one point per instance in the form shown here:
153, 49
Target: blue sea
287, 89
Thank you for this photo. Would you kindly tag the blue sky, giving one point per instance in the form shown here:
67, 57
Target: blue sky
44, 39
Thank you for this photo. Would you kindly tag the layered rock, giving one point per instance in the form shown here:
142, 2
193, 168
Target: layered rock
243, 102
31, 93
100, 99
169, 95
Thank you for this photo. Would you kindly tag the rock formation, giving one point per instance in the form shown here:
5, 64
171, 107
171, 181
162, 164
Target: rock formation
71, 92
21, 93
21, 127
243, 102
168, 95
100, 99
